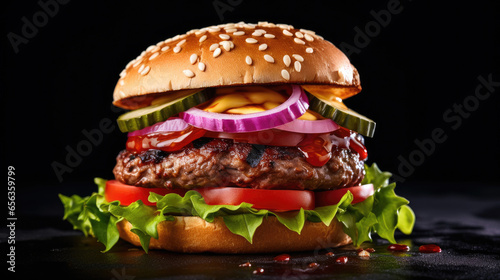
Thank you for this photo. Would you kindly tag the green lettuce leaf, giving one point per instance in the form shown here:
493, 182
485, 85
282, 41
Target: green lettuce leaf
243, 224
406, 219
381, 213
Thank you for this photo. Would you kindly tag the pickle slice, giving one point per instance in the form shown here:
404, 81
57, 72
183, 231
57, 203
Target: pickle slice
342, 115
147, 116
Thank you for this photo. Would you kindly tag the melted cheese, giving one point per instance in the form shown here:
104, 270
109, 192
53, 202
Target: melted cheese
247, 100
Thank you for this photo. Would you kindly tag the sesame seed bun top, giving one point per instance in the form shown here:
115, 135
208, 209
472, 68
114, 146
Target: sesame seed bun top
233, 55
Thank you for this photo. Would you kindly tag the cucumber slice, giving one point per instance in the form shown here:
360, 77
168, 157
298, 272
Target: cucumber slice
342, 115
147, 116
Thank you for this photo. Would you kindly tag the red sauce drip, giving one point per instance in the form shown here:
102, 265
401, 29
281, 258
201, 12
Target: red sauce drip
341, 260
259, 270
282, 258
330, 254
429, 248
398, 248
316, 148
354, 144
247, 264
313, 265
165, 141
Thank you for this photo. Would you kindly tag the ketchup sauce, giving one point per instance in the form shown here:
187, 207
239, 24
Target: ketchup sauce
165, 141
398, 248
282, 258
341, 260
317, 148
429, 248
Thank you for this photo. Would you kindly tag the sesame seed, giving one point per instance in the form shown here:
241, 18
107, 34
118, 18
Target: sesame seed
271, 36
155, 49
251, 40
257, 33
298, 57
193, 58
122, 82
123, 73
141, 68
213, 29
137, 62
199, 32
299, 41
165, 48
307, 31
248, 60
146, 70
231, 30
299, 35
159, 44
287, 60
188, 73
231, 44
263, 47
298, 66
180, 43
226, 45
153, 56
261, 31
239, 33
269, 58
287, 33
203, 38
201, 66
177, 49
309, 37
224, 36
309, 50
150, 48
217, 52
129, 64
249, 26
285, 74
213, 47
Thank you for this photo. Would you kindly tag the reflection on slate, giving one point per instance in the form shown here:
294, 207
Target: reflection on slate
466, 228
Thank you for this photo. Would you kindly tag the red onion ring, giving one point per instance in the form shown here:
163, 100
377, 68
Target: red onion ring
170, 125
291, 109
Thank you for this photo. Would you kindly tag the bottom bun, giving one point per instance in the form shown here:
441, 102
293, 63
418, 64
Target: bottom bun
195, 235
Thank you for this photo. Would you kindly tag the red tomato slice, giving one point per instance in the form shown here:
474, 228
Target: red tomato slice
360, 193
275, 200
126, 194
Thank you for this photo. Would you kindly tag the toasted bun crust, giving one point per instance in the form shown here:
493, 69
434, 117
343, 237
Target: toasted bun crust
235, 54
195, 235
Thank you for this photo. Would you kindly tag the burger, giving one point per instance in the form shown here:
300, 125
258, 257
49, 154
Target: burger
239, 141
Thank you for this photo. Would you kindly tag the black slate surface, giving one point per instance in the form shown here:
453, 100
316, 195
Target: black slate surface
466, 226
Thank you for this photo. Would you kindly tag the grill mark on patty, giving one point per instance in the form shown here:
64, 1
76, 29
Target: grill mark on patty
200, 142
152, 156
255, 154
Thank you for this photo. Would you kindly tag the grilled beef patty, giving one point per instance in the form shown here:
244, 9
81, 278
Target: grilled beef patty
211, 162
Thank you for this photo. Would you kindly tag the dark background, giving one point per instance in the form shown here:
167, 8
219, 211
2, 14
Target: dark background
426, 59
